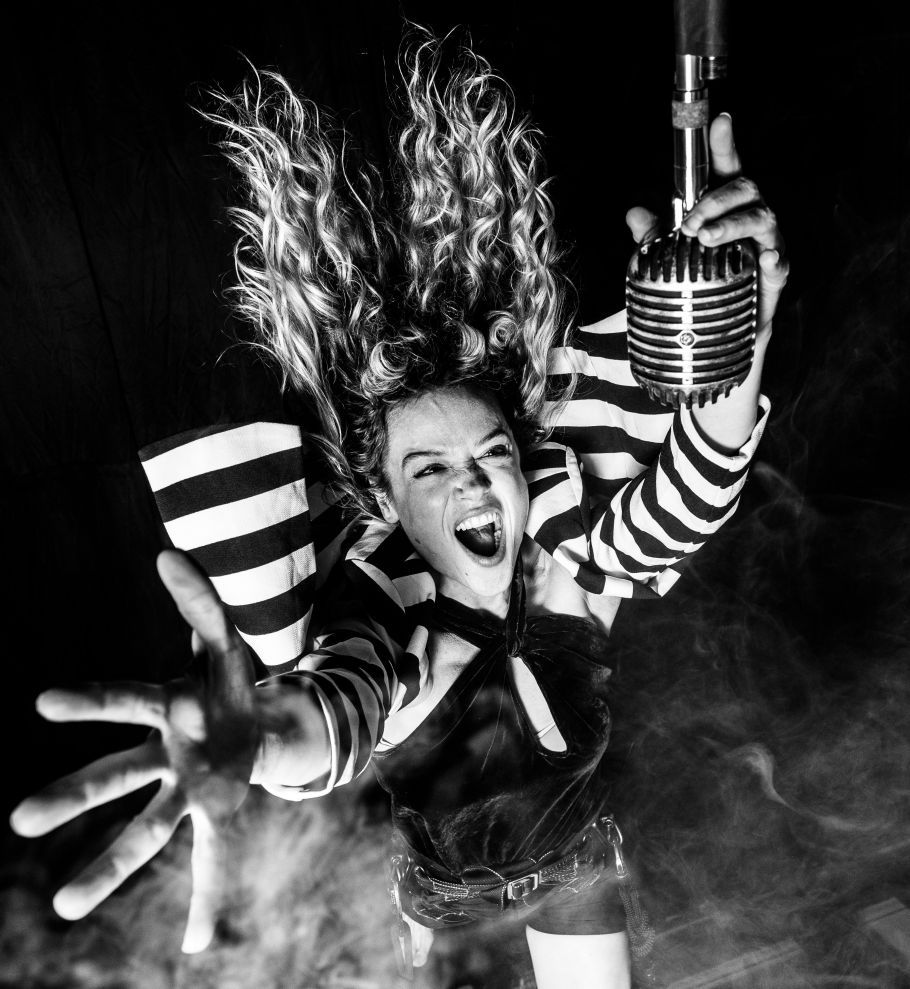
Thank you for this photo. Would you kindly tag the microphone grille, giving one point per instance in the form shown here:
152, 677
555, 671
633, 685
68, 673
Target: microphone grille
691, 313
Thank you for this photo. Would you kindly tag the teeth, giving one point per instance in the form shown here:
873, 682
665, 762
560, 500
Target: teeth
485, 518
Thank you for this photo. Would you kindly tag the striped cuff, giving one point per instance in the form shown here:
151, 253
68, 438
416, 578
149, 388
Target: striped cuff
709, 457
246, 503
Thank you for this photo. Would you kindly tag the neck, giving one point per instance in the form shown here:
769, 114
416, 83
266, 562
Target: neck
496, 605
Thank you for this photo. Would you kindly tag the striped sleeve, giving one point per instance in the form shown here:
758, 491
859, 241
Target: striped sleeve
369, 660
248, 504
631, 489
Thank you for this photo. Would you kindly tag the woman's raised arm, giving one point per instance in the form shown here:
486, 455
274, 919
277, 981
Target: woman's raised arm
735, 210
632, 489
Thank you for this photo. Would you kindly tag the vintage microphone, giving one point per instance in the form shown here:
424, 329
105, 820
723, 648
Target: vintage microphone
690, 309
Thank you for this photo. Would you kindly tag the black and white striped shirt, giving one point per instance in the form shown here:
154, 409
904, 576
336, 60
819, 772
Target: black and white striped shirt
621, 495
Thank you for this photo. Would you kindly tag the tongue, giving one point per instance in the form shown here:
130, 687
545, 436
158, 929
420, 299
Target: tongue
481, 540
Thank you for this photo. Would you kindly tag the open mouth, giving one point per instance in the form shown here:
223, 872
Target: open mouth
481, 534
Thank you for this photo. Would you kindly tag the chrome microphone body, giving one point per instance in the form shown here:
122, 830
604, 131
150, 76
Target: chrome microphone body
691, 310
690, 313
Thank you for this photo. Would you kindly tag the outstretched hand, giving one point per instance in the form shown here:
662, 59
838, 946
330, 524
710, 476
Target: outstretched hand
732, 211
202, 754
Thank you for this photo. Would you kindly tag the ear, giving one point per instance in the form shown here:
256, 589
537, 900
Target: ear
385, 506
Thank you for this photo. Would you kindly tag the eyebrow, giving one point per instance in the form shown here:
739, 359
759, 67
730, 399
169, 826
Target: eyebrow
499, 430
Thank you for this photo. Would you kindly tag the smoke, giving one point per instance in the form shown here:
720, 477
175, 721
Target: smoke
762, 746
758, 759
765, 788
763, 710
307, 907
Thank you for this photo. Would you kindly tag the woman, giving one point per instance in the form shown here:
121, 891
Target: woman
421, 337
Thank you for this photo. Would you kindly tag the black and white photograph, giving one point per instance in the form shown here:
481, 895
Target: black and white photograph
455, 492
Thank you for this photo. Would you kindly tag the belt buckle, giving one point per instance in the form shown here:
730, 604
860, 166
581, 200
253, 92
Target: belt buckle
518, 889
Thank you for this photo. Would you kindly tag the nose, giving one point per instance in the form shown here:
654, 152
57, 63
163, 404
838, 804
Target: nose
472, 479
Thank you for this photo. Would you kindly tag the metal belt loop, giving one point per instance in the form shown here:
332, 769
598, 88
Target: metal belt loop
614, 836
402, 942
641, 933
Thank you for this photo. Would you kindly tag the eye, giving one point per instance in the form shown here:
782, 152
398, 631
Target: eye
500, 450
428, 470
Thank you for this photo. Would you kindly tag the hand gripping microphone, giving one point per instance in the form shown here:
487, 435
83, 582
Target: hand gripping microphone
691, 309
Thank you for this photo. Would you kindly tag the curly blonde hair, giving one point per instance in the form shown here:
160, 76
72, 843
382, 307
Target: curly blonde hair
366, 295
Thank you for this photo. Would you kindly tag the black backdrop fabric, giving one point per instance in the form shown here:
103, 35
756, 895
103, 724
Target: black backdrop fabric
115, 251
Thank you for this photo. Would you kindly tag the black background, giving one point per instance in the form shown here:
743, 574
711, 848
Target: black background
115, 248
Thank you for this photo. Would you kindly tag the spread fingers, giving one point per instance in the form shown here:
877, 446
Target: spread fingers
120, 703
208, 866
98, 783
143, 838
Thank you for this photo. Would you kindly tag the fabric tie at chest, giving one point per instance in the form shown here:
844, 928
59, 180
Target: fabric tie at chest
486, 632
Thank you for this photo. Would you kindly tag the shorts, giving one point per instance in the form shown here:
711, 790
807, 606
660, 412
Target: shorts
587, 901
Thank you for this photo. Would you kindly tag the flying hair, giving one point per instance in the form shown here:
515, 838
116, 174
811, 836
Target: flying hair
365, 303
476, 220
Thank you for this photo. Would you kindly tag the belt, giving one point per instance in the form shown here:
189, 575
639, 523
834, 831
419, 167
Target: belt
578, 863
580, 867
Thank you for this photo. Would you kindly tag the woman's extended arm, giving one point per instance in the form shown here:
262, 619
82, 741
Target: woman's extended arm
364, 665
211, 740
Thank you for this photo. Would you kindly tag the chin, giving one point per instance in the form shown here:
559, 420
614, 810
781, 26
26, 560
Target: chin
486, 576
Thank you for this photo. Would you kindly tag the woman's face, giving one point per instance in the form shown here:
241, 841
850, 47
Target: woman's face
455, 485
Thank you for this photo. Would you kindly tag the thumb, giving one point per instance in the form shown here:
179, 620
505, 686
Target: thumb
229, 693
642, 223
196, 600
